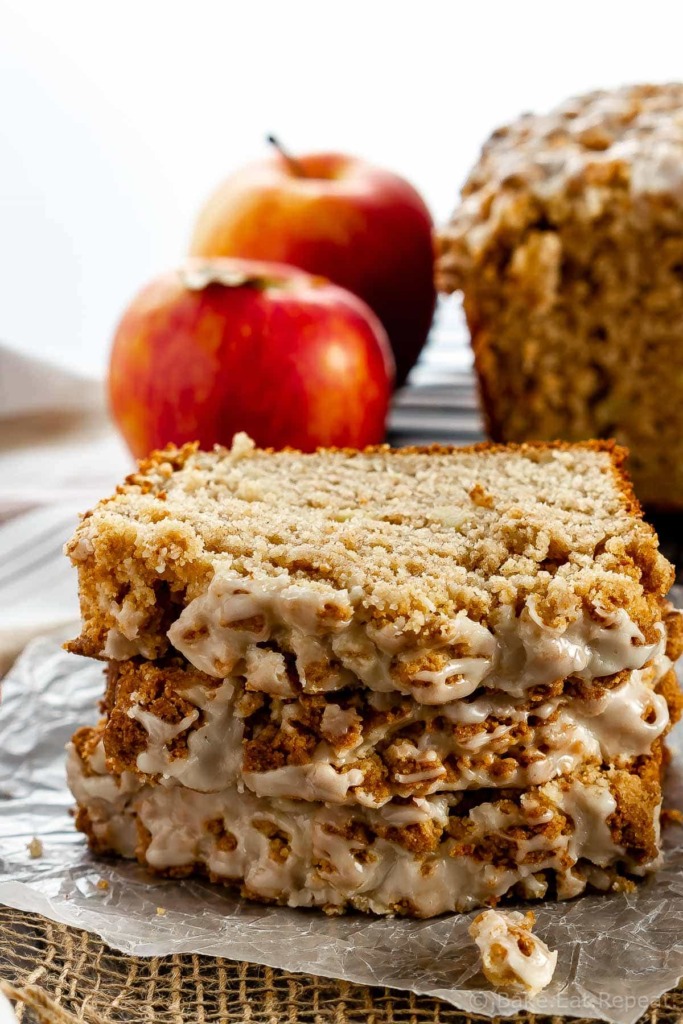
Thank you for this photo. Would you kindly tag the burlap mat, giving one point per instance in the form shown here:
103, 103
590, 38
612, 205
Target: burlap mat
59, 975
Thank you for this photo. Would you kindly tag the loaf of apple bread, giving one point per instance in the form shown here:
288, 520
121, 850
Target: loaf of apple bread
568, 249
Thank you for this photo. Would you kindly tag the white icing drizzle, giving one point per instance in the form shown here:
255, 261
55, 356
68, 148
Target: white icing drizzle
160, 734
511, 956
267, 671
118, 647
214, 749
219, 633
543, 155
589, 809
106, 797
336, 722
620, 725
313, 863
304, 782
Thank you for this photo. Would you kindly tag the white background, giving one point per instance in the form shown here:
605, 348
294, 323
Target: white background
117, 118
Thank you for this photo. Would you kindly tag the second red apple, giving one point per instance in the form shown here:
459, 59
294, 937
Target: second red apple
221, 346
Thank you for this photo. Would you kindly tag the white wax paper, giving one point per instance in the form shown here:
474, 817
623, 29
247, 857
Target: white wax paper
617, 953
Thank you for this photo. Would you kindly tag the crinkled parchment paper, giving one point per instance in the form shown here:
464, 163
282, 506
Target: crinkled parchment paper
617, 953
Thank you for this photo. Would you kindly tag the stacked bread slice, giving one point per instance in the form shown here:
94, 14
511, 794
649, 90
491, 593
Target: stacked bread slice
402, 681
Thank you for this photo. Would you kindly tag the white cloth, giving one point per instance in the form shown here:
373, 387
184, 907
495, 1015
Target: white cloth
59, 454
29, 386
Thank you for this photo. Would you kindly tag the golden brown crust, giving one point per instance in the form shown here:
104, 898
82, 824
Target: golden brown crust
97, 843
673, 622
670, 689
85, 741
635, 823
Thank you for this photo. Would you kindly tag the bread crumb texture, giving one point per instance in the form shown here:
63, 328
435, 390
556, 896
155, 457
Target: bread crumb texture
35, 848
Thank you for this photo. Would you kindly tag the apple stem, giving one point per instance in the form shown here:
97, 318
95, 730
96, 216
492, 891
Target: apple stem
294, 164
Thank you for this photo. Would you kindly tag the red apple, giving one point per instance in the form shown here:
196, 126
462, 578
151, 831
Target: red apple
223, 345
362, 227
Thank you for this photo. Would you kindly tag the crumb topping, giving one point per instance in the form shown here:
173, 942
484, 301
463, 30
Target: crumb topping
624, 139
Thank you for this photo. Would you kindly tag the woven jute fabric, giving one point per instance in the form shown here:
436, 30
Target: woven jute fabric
58, 975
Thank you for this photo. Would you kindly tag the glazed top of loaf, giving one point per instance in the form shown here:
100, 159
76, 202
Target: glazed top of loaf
631, 137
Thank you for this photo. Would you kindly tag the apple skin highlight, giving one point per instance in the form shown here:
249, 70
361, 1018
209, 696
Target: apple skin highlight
290, 359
